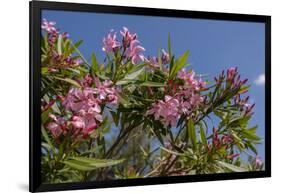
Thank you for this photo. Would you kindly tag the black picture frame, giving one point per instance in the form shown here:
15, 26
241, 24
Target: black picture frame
35, 184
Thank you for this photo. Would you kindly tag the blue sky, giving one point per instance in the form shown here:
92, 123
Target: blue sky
214, 45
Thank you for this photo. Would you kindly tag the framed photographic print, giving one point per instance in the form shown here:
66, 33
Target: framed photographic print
125, 96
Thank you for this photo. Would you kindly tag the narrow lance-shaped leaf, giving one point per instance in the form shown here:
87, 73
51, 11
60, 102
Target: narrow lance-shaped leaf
95, 65
179, 64
203, 136
131, 76
46, 137
169, 46
72, 49
60, 45
88, 164
81, 56
159, 60
191, 132
231, 167
152, 84
73, 82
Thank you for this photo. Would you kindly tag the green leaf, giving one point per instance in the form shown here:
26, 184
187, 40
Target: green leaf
47, 139
191, 132
44, 70
131, 76
152, 84
252, 129
179, 64
240, 121
159, 60
231, 167
45, 116
95, 64
115, 117
88, 164
249, 135
73, 82
203, 136
124, 100
92, 150
78, 165
80, 54
98, 163
72, 49
252, 147
60, 45
243, 89
172, 152
169, 46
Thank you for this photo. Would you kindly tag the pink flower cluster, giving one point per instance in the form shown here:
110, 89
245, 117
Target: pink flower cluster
221, 142
179, 99
244, 105
232, 77
127, 37
85, 107
257, 162
110, 42
190, 80
166, 111
154, 63
49, 26
234, 82
57, 60
130, 45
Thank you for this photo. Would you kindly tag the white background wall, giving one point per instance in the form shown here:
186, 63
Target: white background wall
14, 94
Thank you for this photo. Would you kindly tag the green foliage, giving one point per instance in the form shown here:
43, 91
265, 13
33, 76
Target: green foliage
129, 142
179, 64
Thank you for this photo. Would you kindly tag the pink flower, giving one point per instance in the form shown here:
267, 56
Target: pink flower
165, 57
87, 81
184, 75
181, 98
110, 43
153, 63
190, 80
127, 37
243, 105
77, 100
87, 121
231, 73
134, 52
57, 126
196, 99
105, 91
186, 108
258, 162
48, 26
85, 108
55, 129
166, 111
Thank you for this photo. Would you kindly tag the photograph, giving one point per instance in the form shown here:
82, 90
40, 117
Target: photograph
127, 96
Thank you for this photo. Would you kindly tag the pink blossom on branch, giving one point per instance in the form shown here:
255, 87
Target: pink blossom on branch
87, 121
85, 105
190, 80
78, 99
231, 73
166, 111
110, 42
105, 91
57, 126
48, 26
127, 37
165, 57
134, 52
